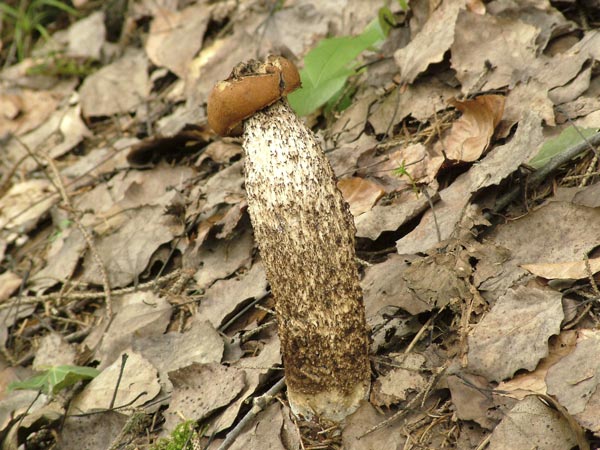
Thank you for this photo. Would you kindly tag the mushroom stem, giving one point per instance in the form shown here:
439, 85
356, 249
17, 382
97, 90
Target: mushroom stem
305, 234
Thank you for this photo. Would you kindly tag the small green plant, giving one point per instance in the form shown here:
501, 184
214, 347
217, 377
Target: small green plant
28, 20
59, 65
54, 379
181, 438
62, 226
328, 66
402, 172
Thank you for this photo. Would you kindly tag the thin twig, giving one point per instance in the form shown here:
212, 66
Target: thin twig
258, 404
32, 300
85, 233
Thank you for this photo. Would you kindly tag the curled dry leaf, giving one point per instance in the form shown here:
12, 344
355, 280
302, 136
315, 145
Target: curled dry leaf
470, 135
360, 194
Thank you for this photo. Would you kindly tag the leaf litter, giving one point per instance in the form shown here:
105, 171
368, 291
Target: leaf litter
482, 309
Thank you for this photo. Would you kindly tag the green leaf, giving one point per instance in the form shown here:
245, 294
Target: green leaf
568, 138
328, 66
55, 379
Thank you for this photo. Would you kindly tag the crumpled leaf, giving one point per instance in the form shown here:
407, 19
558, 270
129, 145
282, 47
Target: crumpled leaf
471, 133
492, 169
522, 320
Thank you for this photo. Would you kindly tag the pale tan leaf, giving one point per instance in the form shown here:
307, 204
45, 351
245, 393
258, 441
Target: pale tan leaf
138, 385
470, 135
360, 194
572, 270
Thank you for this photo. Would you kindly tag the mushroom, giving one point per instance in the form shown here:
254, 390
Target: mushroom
305, 234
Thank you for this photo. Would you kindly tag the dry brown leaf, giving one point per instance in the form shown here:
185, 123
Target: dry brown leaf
492, 169
219, 258
421, 100
430, 44
200, 344
256, 369
572, 270
25, 110
366, 417
9, 282
400, 382
531, 96
117, 88
541, 235
138, 385
383, 218
383, 285
54, 350
361, 194
471, 398
136, 316
532, 424
525, 384
87, 36
176, 36
25, 204
491, 66
199, 389
522, 320
225, 297
98, 431
574, 388
264, 432
126, 251
471, 134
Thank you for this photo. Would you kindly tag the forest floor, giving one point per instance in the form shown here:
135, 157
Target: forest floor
134, 305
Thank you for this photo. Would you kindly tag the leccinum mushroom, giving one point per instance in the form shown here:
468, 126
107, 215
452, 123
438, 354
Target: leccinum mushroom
305, 234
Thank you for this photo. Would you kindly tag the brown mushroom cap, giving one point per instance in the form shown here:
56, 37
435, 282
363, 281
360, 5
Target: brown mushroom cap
250, 87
